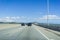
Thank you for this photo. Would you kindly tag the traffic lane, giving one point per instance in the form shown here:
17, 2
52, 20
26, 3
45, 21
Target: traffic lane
27, 33
30, 33
11, 33
37, 35
23, 35
48, 34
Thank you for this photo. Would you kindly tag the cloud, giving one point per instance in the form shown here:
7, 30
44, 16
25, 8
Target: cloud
50, 17
10, 19
6, 19
28, 19
15, 19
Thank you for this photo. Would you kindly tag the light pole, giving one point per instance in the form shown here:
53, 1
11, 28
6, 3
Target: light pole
47, 12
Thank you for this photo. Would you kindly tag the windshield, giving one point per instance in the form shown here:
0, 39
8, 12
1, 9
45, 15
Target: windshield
29, 19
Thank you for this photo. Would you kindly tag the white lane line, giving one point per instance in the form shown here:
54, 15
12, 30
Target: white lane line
43, 34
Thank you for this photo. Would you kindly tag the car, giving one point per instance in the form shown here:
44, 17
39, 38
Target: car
29, 24
22, 24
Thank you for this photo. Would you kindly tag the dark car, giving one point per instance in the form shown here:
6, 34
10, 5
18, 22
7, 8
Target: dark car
29, 24
22, 24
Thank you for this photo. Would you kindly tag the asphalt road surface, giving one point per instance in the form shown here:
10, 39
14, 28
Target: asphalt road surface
22, 33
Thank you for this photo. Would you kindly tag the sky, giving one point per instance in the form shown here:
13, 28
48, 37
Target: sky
29, 11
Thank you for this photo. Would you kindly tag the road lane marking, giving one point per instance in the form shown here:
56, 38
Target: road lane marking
51, 39
43, 34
